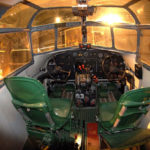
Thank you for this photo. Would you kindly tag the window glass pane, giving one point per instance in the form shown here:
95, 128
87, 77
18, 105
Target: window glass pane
106, 2
54, 3
100, 36
59, 15
17, 16
142, 11
145, 46
110, 15
14, 52
125, 39
68, 37
43, 41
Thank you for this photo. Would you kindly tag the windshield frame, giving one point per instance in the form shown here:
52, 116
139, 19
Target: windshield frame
137, 26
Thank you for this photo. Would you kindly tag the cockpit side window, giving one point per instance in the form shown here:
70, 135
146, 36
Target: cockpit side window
141, 9
145, 46
14, 52
43, 41
125, 39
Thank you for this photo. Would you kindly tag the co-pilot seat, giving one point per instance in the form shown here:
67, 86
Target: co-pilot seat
118, 121
38, 110
124, 114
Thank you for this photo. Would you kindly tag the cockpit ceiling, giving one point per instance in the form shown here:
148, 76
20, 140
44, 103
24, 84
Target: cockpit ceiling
61, 3
9, 2
125, 11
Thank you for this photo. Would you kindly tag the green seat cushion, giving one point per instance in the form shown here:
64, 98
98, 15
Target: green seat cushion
61, 107
107, 110
127, 138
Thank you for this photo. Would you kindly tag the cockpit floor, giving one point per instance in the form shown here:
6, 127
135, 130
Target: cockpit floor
87, 114
108, 92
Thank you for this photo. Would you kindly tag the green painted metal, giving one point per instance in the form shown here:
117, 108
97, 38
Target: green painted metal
133, 102
60, 106
40, 138
57, 92
70, 87
41, 134
111, 86
106, 110
103, 90
127, 139
44, 115
31, 100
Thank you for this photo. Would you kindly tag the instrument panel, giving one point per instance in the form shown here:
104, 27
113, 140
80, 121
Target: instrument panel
98, 62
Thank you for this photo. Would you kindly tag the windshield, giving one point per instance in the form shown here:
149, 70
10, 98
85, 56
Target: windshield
115, 25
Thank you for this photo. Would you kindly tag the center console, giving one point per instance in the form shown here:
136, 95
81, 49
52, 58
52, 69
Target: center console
86, 86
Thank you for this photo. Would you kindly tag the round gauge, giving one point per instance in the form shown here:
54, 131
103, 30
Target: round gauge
94, 54
100, 55
75, 54
85, 54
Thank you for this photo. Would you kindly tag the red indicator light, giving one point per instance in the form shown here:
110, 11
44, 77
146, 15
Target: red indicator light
75, 136
80, 68
81, 46
94, 77
88, 46
83, 66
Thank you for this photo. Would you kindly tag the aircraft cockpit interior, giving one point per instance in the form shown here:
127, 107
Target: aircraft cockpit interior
75, 75
86, 71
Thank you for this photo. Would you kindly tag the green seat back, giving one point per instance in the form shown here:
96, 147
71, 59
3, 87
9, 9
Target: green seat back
31, 100
26, 90
131, 106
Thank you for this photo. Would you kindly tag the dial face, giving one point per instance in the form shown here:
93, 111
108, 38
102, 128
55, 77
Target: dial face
75, 54
85, 54
100, 55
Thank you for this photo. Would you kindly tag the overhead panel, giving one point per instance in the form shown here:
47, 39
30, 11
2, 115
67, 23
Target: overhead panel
17, 16
142, 11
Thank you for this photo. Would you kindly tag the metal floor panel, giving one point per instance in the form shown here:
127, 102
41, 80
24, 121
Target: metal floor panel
88, 114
